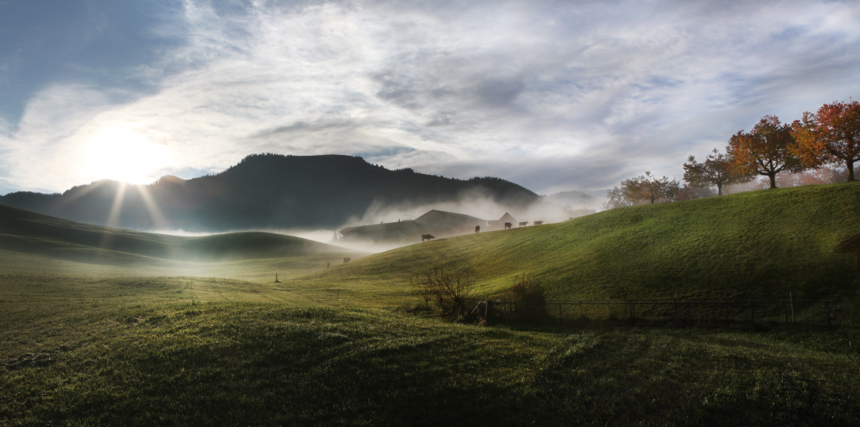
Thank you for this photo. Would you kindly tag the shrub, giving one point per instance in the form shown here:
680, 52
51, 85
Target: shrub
447, 288
529, 295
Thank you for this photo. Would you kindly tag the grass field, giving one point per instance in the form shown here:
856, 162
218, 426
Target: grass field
117, 331
763, 243
186, 351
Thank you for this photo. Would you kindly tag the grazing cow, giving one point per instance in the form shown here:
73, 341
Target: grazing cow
477, 229
538, 222
507, 226
426, 237
346, 260
524, 223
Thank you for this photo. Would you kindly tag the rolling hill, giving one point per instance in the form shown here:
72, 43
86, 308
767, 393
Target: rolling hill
129, 349
35, 233
767, 242
264, 191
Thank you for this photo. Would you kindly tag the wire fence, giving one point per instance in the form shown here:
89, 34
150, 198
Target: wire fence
788, 309
825, 312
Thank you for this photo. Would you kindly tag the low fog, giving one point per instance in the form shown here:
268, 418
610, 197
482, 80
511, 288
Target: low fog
478, 203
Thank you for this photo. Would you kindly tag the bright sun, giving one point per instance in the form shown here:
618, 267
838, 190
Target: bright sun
124, 155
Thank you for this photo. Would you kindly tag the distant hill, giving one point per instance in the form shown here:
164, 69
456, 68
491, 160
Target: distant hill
30, 232
437, 223
768, 242
263, 191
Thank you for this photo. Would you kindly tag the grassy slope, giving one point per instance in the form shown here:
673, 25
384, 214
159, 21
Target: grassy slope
81, 345
32, 232
32, 243
758, 243
137, 352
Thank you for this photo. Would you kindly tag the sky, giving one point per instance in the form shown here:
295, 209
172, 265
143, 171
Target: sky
552, 95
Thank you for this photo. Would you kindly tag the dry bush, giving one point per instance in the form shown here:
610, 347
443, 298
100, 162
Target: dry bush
448, 289
530, 296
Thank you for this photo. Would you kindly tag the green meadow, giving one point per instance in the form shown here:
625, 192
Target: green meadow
759, 243
105, 326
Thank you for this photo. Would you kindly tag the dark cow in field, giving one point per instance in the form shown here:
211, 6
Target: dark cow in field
346, 260
426, 237
538, 222
477, 229
524, 223
507, 226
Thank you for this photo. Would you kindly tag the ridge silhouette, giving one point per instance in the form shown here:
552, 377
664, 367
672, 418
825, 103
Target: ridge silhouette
263, 191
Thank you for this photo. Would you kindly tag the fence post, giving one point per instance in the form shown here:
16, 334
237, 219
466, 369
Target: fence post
791, 302
632, 310
676, 308
581, 314
785, 311
608, 310
559, 312
827, 305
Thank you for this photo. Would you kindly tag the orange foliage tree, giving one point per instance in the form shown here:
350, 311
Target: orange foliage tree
766, 150
830, 136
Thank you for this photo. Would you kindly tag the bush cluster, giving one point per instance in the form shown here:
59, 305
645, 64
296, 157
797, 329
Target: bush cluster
529, 294
448, 289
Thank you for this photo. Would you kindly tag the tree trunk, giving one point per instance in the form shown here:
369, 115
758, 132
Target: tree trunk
772, 177
851, 170
719, 189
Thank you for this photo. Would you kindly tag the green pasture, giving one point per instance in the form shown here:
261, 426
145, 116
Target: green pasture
102, 326
199, 351
757, 244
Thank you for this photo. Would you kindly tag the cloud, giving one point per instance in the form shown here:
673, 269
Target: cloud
551, 95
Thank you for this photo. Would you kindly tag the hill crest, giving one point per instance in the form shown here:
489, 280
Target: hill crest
263, 191
32, 232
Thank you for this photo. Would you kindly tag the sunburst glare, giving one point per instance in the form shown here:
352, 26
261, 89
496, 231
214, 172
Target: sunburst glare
124, 155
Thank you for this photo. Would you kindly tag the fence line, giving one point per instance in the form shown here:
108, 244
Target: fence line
753, 310
786, 309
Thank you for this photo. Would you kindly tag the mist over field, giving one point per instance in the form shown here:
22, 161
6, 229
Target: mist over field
434, 213
474, 203
478, 203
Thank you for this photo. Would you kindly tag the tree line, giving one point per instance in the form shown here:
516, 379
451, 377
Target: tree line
831, 136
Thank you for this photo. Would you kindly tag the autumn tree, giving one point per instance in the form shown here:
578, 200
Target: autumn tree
713, 171
616, 198
649, 187
830, 136
766, 150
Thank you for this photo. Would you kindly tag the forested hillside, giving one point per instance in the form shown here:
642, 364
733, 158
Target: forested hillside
264, 191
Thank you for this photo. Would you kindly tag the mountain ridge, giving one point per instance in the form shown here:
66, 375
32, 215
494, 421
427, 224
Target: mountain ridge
262, 191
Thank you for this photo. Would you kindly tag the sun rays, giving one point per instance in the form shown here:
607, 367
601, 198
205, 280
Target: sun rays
155, 215
121, 153
121, 202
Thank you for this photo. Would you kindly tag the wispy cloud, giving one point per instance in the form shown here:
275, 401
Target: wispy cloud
552, 95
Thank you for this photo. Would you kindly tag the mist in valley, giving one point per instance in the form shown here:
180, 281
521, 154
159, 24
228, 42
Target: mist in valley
477, 203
